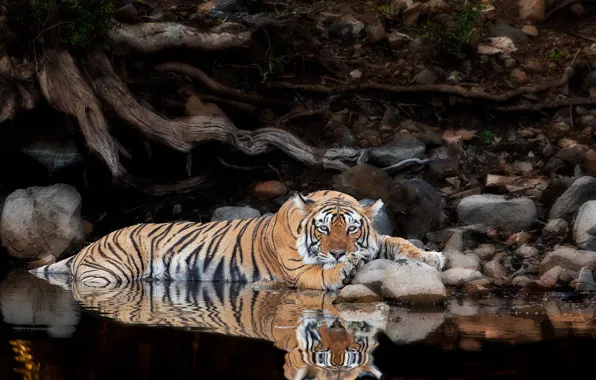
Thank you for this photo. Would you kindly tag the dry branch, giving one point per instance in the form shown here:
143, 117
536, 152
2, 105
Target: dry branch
440, 88
213, 85
152, 37
183, 186
65, 89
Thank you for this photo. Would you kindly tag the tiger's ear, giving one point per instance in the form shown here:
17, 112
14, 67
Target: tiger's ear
372, 210
304, 204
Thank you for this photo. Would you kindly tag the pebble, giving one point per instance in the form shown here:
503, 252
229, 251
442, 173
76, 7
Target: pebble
485, 251
269, 190
519, 77
532, 10
460, 276
530, 30
584, 226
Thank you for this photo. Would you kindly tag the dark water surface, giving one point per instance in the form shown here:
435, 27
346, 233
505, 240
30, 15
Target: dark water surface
213, 331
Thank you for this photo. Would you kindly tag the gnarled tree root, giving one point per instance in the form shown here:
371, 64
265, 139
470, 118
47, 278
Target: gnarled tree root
17, 88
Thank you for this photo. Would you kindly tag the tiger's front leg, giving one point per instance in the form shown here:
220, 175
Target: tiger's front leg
394, 248
318, 277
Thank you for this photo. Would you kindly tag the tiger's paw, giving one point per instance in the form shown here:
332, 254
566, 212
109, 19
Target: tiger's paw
350, 267
434, 259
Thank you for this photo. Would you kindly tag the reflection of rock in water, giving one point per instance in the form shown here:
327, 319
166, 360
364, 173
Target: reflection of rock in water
412, 327
28, 302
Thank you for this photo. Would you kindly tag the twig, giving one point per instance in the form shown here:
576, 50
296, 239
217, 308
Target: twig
239, 167
554, 104
216, 99
441, 88
215, 86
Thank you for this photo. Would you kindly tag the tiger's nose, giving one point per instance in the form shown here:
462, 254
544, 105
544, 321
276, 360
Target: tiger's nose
338, 254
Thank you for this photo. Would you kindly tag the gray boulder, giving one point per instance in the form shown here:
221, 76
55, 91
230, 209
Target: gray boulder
454, 259
405, 146
382, 223
568, 258
372, 274
357, 293
416, 206
585, 280
233, 213
40, 221
460, 276
581, 191
584, 226
495, 210
413, 282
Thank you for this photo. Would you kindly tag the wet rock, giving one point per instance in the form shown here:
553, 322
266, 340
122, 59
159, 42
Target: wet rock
416, 207
585, 280
413, 282
411, 14
412, 326
269, 190
517, 36
521, 281
382, 223
551, 276
494, 269
495, 210
357, 294
568, 258
372, 274
375, 33
41, 221
403, 147
426, 77
126, 14
364, 181
518, 77
233, 213
530, 30
460, 276
581, 191
532, 10
555, 229
526, 251
455, 259
485, 251
584, 226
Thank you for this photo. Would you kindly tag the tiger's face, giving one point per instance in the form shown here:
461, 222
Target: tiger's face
335, 228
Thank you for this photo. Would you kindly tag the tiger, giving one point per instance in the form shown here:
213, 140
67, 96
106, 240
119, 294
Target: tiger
317, 241
320, 340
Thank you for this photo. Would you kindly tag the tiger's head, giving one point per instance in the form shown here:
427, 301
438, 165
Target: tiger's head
328, 349
335, 227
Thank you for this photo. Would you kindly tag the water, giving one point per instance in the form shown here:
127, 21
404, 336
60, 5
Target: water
213, 331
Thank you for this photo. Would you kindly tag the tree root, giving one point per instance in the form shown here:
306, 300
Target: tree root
65, 89
152, 37
216, 99
546, 105
17, 90
213, 85
440, 88
293, 115
179, 187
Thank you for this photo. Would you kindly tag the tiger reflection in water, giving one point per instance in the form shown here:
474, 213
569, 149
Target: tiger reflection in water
321, 341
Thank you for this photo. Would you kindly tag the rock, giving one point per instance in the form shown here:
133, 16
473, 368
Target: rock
417, 243
585, 280
41, 221
396, 6
398, 40
494, 269
517, 36
550, 277
518, 77
555, 229
460, 276
455, 77
521, 281
403, 147
341, 30
357, 294
269, 190
495, 210
572, 155
526, 251
372, 274
577, 9
47, 260
455, 259
369, 138
364, 181
413, 282
176, 209
233, 213
530, 30
568, 258
584, 226
558, 130
581, 191
469, 234
426, 77
375, 33
416, 207
127, 14
52, 147
382, 223
532, 10
533, 65
485, 251
411, 14
510, 62
356, 74
455, 242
